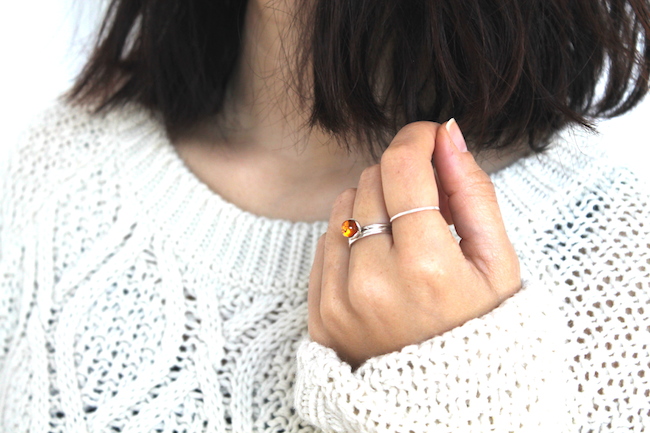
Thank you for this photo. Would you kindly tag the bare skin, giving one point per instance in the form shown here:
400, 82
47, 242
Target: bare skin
259, 156
384, 292
387, 292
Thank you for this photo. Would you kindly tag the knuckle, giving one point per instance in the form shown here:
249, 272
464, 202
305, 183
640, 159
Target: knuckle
317, 333
500, 268
398, 157
509, 277
368, 294
421, 268
334, 327
346, 198
370, 176
420, 128
401, 150
479, 180
332, 311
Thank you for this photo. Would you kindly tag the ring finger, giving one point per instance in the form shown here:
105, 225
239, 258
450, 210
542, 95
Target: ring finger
369, 208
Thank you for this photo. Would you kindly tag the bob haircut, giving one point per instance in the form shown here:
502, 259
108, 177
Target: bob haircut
512, 72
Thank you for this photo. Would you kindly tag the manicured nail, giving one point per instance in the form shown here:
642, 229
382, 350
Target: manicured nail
456, 135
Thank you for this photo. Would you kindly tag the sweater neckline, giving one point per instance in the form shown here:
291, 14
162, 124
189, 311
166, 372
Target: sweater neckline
275, 255
182, 216
524, 185
155, 150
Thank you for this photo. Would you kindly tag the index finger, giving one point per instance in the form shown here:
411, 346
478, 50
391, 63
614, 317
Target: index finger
409, 182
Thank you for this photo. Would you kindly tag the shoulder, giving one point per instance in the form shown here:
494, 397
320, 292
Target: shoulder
573, 180
575, 211
70, 145
66, 136
602, 224
596, 201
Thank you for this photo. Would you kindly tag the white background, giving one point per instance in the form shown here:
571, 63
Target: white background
43, 44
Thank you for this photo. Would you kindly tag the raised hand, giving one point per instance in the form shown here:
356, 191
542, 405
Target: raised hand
385, 291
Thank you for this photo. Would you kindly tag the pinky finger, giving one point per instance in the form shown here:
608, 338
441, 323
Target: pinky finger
315, 323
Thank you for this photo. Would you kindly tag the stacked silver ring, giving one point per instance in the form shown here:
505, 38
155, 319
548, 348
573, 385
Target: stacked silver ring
352, 230
410, 211
371, 229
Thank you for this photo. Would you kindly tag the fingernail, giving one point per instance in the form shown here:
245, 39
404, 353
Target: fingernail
456, 135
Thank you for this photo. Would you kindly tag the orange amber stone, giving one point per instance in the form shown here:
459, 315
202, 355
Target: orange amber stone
350, 228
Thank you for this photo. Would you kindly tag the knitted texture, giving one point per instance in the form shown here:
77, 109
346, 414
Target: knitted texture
134, 299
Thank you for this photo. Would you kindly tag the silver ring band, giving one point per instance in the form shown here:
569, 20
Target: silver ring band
417, 209
371, 229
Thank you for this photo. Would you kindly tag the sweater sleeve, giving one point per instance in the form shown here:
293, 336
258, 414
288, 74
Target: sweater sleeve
499, 372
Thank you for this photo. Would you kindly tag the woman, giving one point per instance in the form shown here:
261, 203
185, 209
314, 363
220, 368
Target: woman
162, 258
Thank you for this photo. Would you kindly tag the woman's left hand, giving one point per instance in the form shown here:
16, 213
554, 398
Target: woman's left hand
386, 292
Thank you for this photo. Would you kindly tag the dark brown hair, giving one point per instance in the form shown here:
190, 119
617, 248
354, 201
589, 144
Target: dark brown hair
512, 72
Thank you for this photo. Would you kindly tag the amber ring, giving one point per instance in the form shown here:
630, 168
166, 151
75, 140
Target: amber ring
352, 230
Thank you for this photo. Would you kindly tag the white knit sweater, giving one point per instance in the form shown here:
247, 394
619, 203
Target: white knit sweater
134, 299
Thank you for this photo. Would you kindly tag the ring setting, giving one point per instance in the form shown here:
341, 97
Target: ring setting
352, 230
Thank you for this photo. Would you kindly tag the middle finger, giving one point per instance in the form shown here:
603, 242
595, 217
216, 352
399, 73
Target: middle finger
409, 182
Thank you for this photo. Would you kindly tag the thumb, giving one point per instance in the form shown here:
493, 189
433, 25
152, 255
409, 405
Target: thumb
472, 201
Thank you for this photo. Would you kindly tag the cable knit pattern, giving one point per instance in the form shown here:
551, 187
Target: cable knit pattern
133, 299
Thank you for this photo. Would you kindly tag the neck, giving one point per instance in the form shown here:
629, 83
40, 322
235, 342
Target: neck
261, 109
258, 154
